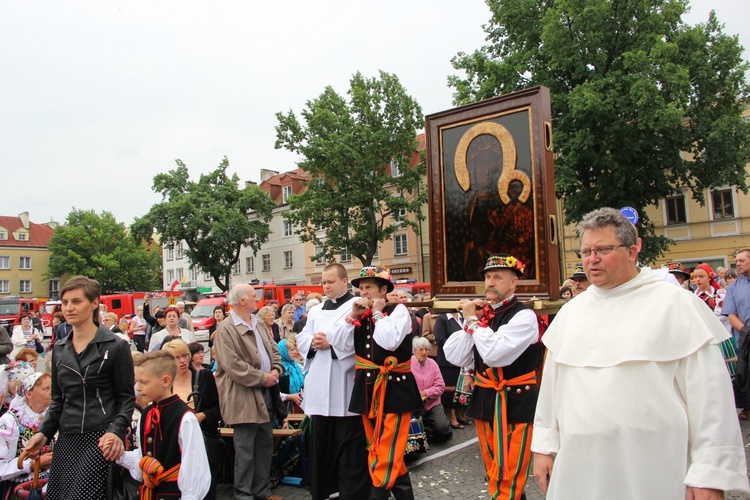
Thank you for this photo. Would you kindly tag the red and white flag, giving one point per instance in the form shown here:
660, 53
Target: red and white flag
174, 284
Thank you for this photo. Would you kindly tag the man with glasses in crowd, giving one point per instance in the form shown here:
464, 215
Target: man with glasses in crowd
299, 306
635, 400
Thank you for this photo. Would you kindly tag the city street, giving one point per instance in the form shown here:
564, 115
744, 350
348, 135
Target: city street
454, 470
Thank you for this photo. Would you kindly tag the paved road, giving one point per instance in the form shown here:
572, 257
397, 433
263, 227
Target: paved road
454, 470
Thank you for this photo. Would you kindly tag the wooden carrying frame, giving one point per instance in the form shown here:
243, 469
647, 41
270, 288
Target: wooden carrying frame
491, 183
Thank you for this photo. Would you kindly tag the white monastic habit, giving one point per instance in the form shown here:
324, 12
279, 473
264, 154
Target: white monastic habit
636, 401
329, 382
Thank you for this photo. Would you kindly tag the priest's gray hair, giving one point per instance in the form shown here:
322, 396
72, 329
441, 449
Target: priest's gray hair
609, 217
419, 342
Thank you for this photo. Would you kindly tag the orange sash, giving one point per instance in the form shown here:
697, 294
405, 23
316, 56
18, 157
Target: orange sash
495, 380
391, 365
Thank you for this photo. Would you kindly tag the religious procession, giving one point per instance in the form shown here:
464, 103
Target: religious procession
625, 382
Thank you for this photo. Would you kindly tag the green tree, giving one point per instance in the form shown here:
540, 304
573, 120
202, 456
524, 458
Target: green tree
99, 247
349, 148
643, 105
213, 216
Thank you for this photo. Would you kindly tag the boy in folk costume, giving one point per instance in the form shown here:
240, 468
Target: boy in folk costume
385, 392
501, 339
171, 456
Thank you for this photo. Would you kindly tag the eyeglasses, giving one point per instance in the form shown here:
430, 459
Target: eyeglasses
601, 251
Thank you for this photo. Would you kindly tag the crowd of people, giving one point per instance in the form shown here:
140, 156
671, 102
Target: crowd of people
642, 372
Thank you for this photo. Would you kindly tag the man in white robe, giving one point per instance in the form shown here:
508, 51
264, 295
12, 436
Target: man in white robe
635, 400
338, 450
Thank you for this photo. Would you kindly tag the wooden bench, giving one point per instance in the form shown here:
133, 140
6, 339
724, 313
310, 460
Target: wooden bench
278, 434
295, 418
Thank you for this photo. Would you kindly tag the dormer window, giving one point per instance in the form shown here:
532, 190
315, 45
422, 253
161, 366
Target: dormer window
286, 192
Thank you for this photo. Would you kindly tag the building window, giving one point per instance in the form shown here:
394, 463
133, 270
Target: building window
346, 255
399, 245
286, 192
395, 172
3, 236
170, 277
4, 262
180, 251
399, 215
21, 236
54, 288
676, 212
4, 286
170, 253
288, 228
722, 203
194, 276
322, 258
266, 262
288, 259
24, 286
206, 276
24, 263
249, 265
376, 255
236, 268
180, 275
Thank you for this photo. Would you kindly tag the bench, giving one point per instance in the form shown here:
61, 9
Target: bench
278, 434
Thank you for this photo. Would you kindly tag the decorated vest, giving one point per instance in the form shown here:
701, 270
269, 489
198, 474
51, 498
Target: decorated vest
162, 442
402, 393
521, 399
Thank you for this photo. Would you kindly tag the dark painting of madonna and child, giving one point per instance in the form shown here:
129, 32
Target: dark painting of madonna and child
492, 192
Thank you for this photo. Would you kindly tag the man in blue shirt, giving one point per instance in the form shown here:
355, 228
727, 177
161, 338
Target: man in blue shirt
737, 308
299, 306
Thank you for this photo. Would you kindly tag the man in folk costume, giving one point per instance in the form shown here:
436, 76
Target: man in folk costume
501, 339
338, 455
385, 392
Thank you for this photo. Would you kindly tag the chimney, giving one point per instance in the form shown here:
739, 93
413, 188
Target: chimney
250, 183
266, 174
24, 216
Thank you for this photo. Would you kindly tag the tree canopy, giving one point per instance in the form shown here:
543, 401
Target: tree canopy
351, 147
99, 247
644, 106
213, 216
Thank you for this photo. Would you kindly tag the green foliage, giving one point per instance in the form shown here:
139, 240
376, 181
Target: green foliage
213, 216
632, 87
99, 247
347, 147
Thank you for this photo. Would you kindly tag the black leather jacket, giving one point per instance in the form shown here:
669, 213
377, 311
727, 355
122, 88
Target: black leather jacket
93, 391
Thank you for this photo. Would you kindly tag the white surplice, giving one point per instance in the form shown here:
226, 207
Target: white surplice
636, 401
329, 382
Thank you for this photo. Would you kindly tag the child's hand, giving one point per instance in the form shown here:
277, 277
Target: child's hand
111, 446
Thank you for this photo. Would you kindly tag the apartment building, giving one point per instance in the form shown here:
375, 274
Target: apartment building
284, 259
24, 258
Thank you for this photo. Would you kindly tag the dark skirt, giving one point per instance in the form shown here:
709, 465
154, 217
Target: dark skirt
78, 468
450, 377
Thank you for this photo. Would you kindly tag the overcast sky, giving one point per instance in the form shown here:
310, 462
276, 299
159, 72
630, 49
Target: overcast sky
96, 97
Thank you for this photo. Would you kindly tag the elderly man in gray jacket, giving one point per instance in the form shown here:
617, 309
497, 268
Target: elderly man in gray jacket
248, 363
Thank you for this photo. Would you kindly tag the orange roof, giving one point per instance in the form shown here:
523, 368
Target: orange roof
39, 234
279, 179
